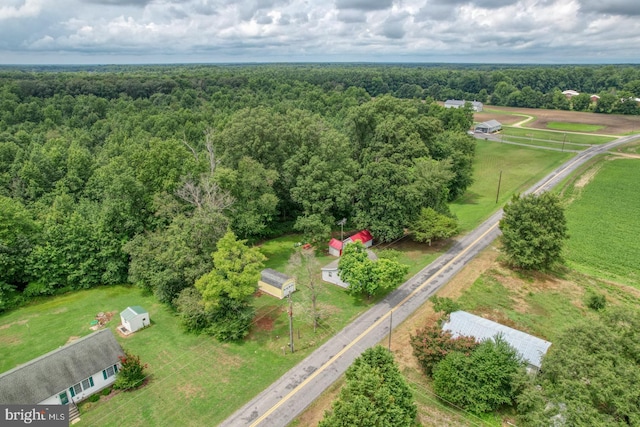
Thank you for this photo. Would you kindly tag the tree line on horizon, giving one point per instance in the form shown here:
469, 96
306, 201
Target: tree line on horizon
530, 86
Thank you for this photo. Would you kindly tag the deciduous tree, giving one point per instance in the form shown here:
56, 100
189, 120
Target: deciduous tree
375, 394
226, 290
534, 229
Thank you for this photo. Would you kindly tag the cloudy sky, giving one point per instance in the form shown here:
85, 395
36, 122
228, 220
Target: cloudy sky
175, 31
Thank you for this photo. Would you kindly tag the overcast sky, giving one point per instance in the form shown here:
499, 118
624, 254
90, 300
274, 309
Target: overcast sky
176, 31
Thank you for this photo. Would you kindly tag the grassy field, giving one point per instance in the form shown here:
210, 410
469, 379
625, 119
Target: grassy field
603, 222
573, 127
542, 135
521, 167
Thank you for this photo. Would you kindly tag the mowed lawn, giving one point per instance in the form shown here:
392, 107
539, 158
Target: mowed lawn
521, 167
559, 137
604, 223
193, 379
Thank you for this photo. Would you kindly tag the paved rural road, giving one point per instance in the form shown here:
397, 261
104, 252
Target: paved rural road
286, 398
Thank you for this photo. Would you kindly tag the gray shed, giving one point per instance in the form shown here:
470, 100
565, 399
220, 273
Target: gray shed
531, 348
275, 283
76, 367
489, 126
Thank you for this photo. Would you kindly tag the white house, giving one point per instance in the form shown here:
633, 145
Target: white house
456, 103
72, 372
531, 348
570, 93
134, 318
330, 272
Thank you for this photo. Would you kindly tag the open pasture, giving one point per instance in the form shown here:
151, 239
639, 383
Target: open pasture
521, 167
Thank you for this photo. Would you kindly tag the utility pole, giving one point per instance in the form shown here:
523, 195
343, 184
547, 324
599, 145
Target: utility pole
341, 223
498, 193
291, 324
390, 327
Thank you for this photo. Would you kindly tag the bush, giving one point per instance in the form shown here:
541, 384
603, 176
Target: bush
596, 302
106, 391
431, 344
131, 373
94, 398
444, 304
483, 381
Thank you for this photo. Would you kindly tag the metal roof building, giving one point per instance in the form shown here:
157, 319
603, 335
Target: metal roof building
489, 126
531, 348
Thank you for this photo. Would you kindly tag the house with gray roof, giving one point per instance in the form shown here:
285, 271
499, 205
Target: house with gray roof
457, 103
331, 273
72, 372
531, 348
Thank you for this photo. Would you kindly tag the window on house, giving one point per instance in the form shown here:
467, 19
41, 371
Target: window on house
77, 389
87, 383
109, 372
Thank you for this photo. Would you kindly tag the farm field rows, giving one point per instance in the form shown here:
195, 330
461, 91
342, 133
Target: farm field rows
603, 221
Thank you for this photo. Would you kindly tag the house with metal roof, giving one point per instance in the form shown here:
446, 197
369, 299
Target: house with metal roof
335, 247
532, 349
489, 126
134, 318
70, 373
456, 103
363, 236
275, 283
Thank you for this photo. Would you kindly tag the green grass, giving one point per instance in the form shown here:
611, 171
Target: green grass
574, 127
521, 167
603, 223
543, 135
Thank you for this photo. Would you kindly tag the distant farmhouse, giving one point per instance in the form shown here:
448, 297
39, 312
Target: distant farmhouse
276, 284
489, 126
531, 348
455, 103
70, 373
570, 93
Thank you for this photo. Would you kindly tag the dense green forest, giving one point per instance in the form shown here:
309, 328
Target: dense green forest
121, 174
134, 176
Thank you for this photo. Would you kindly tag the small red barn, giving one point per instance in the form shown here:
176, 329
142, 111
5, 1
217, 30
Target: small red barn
335, 247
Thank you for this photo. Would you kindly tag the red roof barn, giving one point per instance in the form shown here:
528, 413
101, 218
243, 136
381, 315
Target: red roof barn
335, 247
363, 236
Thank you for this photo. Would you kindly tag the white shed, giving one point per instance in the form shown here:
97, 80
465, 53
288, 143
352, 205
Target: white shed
134, 318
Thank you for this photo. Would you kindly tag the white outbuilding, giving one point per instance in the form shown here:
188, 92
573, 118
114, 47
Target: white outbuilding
134, 318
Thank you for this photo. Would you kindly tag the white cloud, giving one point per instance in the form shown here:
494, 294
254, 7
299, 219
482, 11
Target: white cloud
320, 30
28, 9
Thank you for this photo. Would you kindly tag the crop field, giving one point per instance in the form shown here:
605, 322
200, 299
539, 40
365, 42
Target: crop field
521, 167
603, 221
